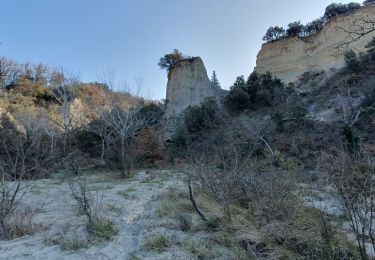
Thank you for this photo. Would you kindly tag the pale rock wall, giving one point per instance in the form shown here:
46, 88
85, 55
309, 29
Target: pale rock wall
188, 85
290, 58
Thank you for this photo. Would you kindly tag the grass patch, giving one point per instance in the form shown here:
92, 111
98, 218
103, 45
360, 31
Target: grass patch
99, 188
166, 209
36, 191
114, 209
151, 180
174, 203
73, 243
201, 249
114, 177
20, 223
132, 256
185, 222
158, 243
127, 193
103, 229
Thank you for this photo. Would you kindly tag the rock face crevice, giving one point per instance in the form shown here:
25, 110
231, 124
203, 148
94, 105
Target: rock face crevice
188, 85
289, 58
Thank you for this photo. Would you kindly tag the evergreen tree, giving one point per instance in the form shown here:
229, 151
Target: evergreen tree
170, 60
274, 34
214, 79
295, 29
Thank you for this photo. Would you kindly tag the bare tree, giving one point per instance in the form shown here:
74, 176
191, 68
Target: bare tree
125, 121
353, 178
350, 117
361, 28
40, 74
42, 123
64, 87
122, 117
22, 158
79, 190
90, 205
222, 174
5, 71
102, 130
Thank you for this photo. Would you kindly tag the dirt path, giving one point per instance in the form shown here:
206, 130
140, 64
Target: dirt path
130, 204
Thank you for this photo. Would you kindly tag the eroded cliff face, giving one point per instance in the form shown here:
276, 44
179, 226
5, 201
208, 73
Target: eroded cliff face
289, 58
188, 85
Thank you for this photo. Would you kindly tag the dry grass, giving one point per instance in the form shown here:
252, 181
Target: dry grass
159, 243
20, 223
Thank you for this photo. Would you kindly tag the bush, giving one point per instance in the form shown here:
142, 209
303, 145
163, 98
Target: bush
352, 61
18, 223
300, 30
102, 229
371, 49
297, 111
264, 98
352, 176
149, 150
314, 26
274, 34
170, 60
295, 29
336, 9
260, 90
158, 243
91, 207
237, 100
203, 117
369, 2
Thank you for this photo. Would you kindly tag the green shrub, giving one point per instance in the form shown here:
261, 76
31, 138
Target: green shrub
352, 61
203, 117
260, 90
264, 98
158, 243
103, 229
73, 243
237, 100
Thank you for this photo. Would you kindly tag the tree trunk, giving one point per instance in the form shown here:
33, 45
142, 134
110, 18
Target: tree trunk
193, 202
103, 151
122, 156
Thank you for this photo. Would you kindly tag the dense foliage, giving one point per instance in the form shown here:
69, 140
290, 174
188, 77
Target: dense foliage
170, 60
362, 63
297, 29
214, 79
260, 90
369, 2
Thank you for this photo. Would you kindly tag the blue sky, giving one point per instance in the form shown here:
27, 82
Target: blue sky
129, 36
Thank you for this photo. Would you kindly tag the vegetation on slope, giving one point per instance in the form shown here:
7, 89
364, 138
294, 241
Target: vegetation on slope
263, 155
297, 29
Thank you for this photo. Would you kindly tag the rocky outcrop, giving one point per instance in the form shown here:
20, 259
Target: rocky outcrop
188, 85
289, 58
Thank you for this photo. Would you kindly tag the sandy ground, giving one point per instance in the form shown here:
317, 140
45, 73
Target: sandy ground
131, 204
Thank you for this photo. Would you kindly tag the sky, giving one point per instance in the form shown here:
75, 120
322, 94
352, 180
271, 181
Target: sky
128, 37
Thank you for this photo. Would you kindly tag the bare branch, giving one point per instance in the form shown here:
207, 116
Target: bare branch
360, 29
